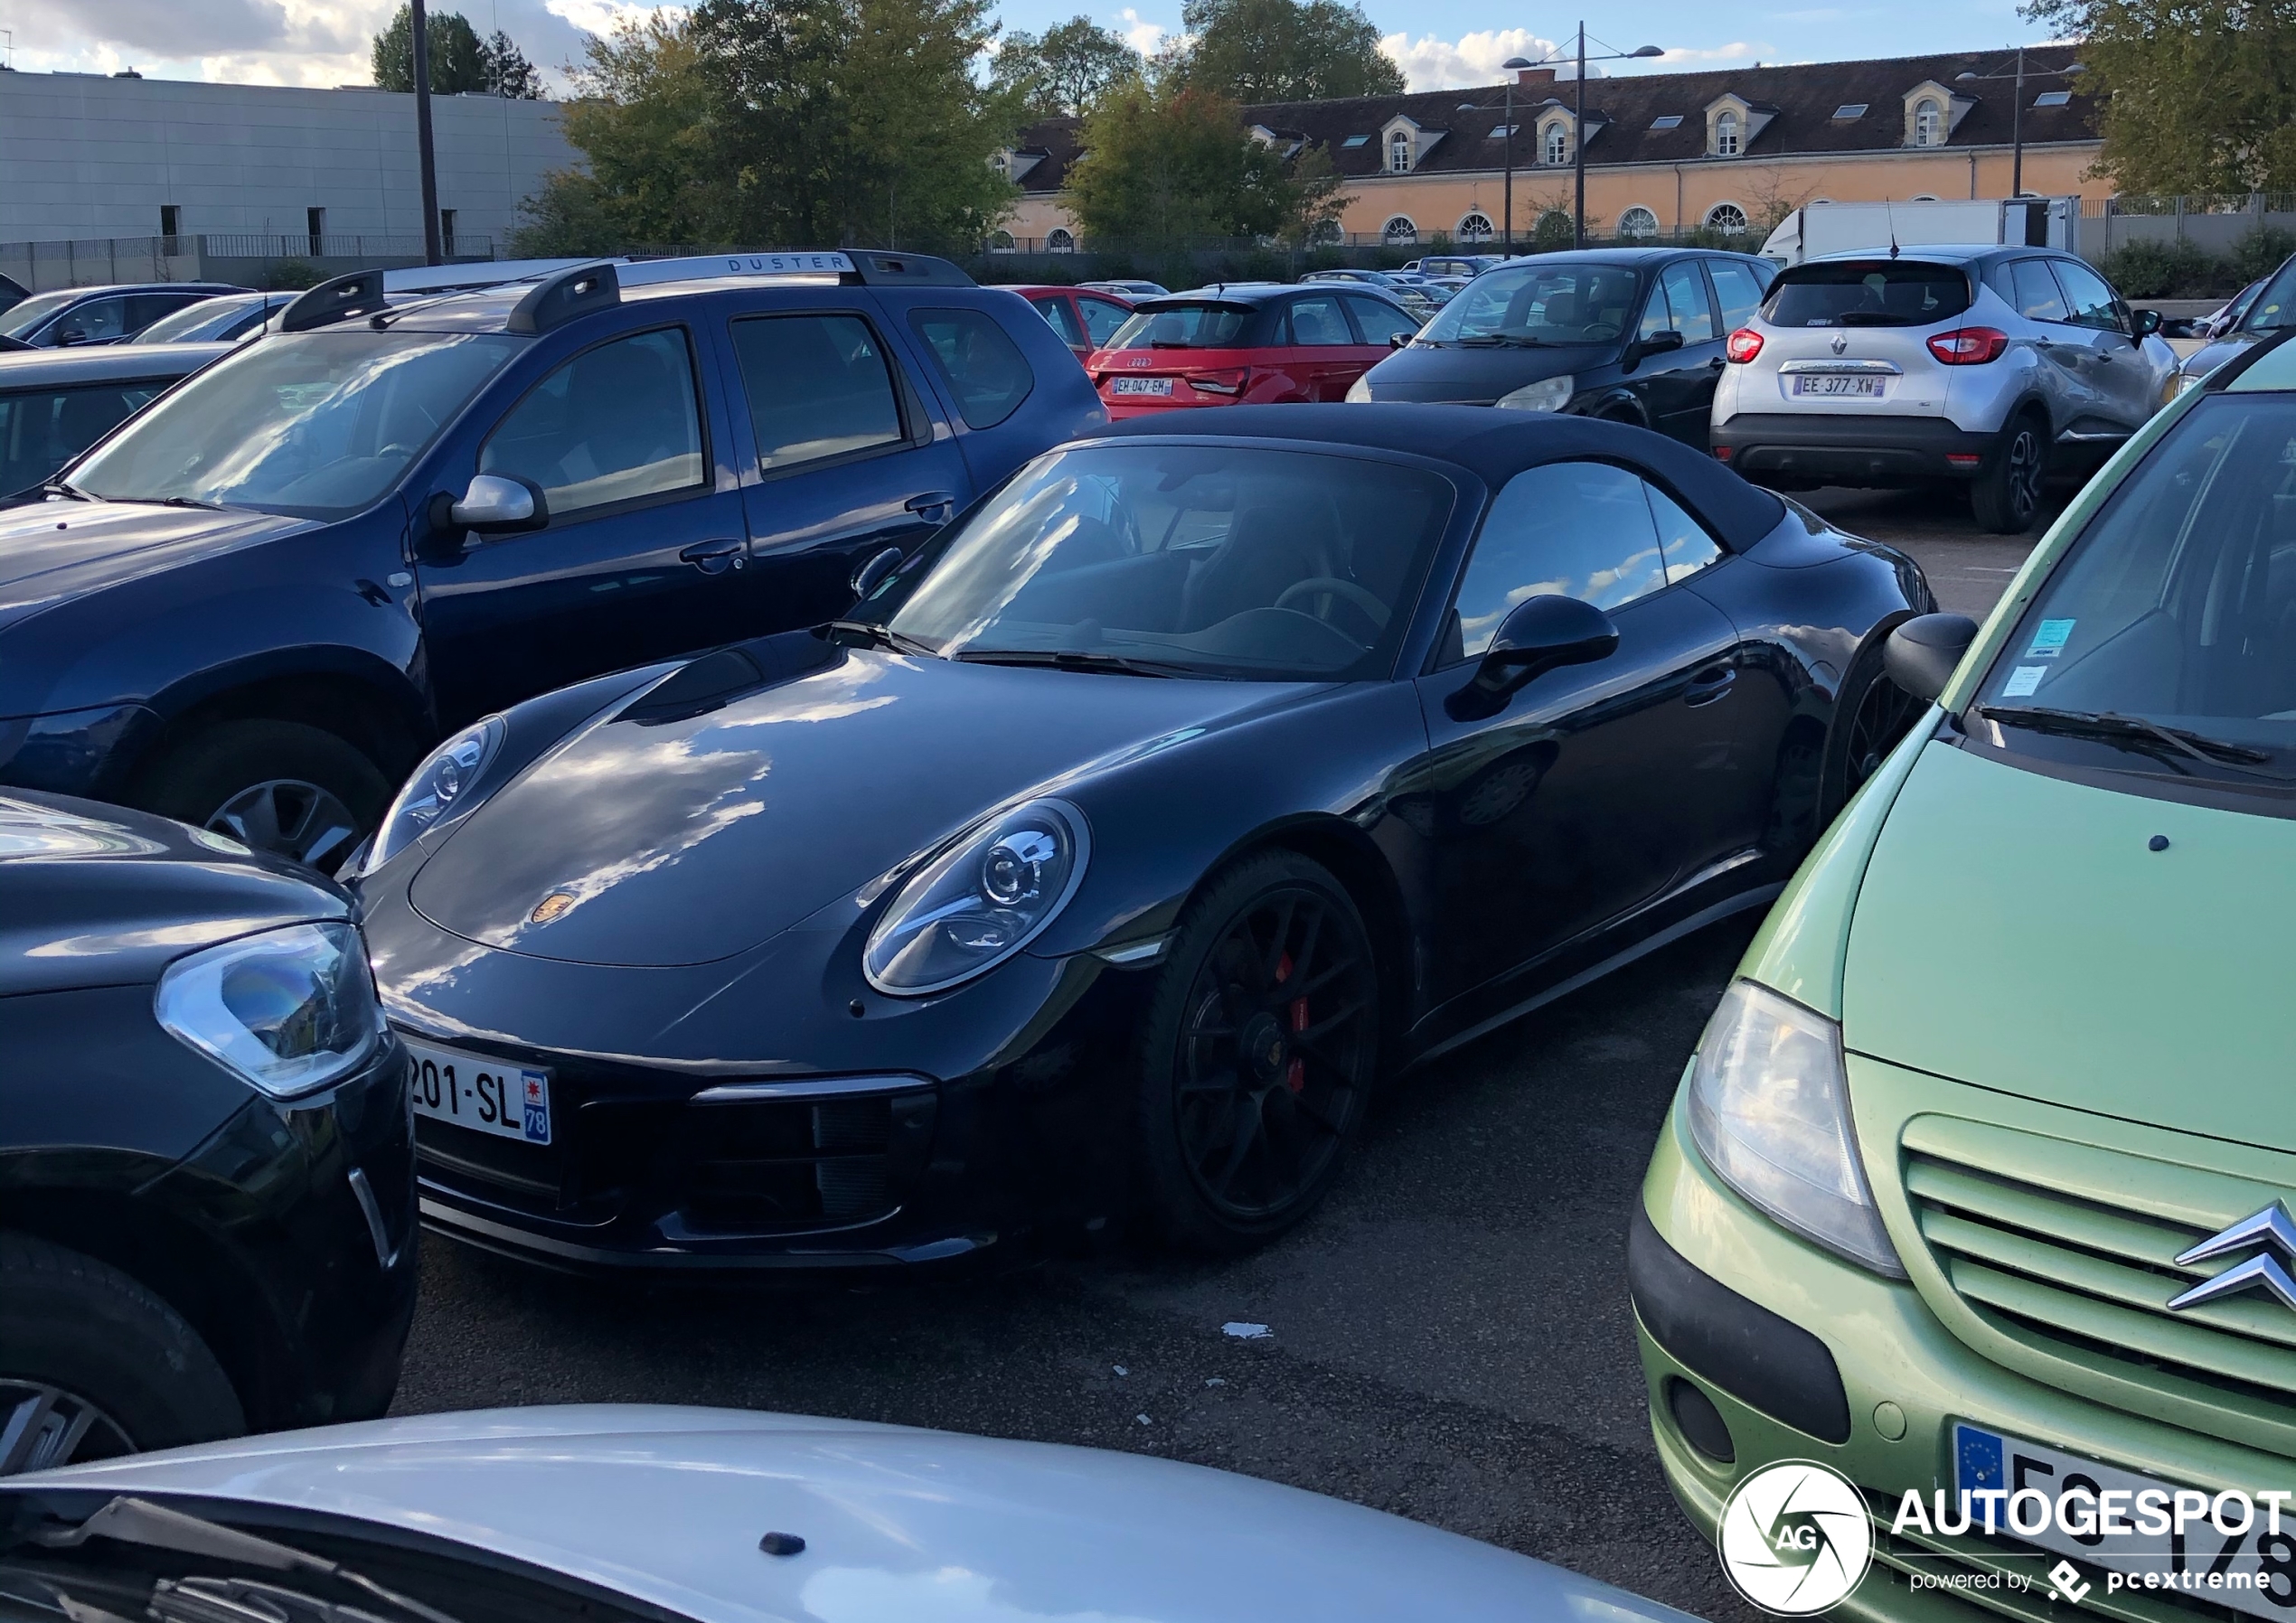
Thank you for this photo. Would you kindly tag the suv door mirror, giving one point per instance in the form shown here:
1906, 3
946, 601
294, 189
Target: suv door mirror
2148, 323
1652, 343
1399, 341
499, 504
1540, 635
67, 336
1922, 652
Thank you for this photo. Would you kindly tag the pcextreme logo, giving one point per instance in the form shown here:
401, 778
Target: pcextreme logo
1795, 1538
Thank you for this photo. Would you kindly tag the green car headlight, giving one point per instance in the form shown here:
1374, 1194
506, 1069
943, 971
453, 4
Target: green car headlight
1770, 1112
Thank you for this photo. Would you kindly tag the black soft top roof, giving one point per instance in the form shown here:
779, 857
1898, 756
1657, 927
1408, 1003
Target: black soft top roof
1495, 446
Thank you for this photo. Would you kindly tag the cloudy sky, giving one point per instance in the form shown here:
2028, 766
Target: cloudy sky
1439, 42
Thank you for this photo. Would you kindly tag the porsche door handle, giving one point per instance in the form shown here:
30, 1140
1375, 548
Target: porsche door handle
715, 558
1711, 684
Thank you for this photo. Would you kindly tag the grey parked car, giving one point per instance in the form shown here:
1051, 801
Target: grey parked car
1992, 367
56, 403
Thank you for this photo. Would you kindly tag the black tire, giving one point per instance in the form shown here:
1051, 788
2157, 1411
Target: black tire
293, 790
1243, 1123
1871, 714
2007, 497
106, 1366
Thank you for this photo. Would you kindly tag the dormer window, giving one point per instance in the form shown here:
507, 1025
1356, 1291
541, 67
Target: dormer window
1725, 136
1399, 153
1929, 124
1556, 145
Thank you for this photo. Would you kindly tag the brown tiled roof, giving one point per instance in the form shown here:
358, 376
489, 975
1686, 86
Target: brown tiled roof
1801, 98
1052, 142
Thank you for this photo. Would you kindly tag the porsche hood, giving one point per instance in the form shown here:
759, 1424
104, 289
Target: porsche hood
654, 839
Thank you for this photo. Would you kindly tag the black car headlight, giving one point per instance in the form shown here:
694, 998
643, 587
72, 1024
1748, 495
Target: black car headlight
439, 789
291, 1010
980, 901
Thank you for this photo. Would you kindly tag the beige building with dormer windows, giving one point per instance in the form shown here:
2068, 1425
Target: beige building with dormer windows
1724, 149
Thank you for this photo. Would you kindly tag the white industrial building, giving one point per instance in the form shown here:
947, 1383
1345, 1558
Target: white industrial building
88, 160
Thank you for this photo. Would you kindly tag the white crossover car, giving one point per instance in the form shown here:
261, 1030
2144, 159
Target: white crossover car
617, 1515
1992, 367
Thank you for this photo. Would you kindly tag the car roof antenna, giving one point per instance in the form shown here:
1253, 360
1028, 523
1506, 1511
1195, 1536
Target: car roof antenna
1890, 215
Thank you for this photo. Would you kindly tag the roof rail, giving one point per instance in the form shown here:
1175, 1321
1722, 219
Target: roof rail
867, 267
337, 299
556, 300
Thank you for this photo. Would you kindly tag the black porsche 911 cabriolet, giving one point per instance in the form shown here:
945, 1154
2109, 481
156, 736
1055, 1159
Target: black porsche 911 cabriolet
1119, 842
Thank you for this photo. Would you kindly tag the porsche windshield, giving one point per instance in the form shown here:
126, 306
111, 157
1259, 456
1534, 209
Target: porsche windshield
314, 424
1230, 560
2164, 643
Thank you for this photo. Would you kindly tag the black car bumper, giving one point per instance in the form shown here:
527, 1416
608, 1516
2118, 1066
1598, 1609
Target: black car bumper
1802, 452
943, 1167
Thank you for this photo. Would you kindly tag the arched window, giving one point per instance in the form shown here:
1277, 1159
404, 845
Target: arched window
1555, 144
1060, 241
1929, 124
1923, 197
1000, 163
1399, 153
1727, 218
1399, 233
1475, 228
999, 242
1637, 224
1725, 136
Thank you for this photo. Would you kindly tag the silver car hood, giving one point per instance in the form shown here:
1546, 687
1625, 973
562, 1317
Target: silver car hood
667, 1504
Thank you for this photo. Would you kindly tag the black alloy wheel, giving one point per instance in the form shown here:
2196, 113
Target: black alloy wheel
1262, 1046
44, 1426
1871, 714
281, 787
2007, 497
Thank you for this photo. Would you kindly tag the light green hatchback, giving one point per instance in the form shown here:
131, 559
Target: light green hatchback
1978, 1185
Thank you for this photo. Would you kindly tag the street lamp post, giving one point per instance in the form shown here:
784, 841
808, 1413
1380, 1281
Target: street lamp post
1578, 126
2017, 111
420, 32
1511, 66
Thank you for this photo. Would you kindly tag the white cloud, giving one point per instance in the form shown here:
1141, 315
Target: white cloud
1429, 64
1140, 33
1723, 56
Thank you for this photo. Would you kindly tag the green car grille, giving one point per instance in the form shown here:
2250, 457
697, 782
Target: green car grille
2062, 1258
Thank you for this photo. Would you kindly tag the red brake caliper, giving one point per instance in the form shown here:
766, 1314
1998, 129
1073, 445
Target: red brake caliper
1296, 1073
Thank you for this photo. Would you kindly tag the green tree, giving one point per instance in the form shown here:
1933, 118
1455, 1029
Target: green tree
1166, 163
2198, 95
1066, 69
1252, 50
459, 60
782, 123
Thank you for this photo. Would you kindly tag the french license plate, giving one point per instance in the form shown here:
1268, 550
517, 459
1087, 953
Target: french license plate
469, 1090
2252, 1572
1822, 384
1139, 386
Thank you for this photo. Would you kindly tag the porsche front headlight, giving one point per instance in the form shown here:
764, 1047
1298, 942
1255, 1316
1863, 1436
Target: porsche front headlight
287, 1011
1770, 1112
979, 902
1549, 394
437, 790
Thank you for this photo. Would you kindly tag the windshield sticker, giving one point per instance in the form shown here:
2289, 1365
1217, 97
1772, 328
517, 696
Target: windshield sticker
2023, 681
2049, 640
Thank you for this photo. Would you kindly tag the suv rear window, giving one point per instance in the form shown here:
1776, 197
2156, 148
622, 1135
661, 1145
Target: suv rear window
1189, 326
1866, 293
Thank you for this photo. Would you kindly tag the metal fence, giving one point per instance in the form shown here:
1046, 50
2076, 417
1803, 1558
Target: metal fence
255, 258
2164, 205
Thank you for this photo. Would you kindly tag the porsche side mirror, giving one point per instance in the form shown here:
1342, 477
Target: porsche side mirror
1540, 635
867, 577
499, 504
2148, 323
1922, 652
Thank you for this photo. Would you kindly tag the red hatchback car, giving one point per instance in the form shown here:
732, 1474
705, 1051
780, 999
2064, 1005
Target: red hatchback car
1256, 344
1085, 321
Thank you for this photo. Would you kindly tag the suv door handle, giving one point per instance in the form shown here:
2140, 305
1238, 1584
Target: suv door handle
1711, 684
937, 507
715, 558
1717, 363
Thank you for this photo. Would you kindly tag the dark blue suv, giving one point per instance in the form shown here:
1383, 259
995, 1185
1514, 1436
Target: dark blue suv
256, 605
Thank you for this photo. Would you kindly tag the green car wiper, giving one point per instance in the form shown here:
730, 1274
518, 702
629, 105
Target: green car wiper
2112, 726
1073, 659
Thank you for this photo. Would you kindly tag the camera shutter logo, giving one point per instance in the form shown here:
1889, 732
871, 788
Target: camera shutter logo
1795, 1538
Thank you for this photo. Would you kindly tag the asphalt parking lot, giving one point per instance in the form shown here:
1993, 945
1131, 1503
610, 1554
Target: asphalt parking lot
1448, 1337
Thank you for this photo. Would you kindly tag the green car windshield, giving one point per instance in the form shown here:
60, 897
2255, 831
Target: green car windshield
2164, 643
